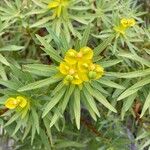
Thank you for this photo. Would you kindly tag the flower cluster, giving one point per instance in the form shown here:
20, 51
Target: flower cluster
78, 67
18, 102
124, 25
58, 6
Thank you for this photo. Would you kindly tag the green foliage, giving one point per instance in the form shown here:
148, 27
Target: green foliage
109, 113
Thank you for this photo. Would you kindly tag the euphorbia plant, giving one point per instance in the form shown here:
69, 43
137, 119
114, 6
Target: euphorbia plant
74, 74
79, 80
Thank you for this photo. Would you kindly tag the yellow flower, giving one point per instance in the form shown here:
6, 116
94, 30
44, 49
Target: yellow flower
90, 72
120, 30
12, 103
70, 72
132, 22
73, 57
86, 53
127, 22
58, 6
22, 100
124, 25
78, 67
95, 71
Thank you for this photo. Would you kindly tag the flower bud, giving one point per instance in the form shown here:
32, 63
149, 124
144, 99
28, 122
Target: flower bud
92, 75
69, 78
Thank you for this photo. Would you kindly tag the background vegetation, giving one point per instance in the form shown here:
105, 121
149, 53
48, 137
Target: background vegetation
111, 113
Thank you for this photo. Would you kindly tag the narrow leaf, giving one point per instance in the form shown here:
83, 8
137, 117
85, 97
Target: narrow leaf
110, 83
146, 105
11, 48
85, 37
53, 101
76, 107
3, 60
95, 93
39, 84
103, 45
67, 97
91, 101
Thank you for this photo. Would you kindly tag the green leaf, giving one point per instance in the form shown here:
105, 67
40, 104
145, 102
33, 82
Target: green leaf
35, 12
46, 121
110, 83
39, 84
127, 93
88, 107
117, 92
12, 119
98, 86
35, 119
41, 22
53, 101
103, 45
59, 86
3, 60
39, 3
76, 107
54, 37
40, 69
146, 144
33, 133
85, 37
1, 122
141, 83
27, 129
49, 50
91, 101
45, 140
146, 105
10, 84
66, 45
18, 126
11, 48
3, 72
55, 118
137, 86
67, 97
95, 93
18, 73
128, 104
135, 57
109, 63
68, 144
133, 74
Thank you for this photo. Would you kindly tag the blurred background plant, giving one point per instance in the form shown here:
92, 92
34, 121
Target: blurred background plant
34, 38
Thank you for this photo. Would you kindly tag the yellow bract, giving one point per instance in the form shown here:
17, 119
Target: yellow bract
85, 54
120, 29
127, 22
19, 101
124, 25
58, 6
70, 72
78, 67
